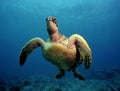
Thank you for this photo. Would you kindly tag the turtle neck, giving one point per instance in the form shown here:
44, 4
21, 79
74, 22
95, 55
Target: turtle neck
55, 37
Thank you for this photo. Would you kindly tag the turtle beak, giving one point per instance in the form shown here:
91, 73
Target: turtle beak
53, 19
51, 24
50, 18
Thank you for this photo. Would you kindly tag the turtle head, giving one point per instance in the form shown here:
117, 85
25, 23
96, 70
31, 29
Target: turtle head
52, 26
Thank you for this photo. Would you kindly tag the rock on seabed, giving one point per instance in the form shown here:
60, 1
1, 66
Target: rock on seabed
100, 81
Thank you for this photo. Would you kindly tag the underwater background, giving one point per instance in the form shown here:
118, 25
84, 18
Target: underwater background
98, 21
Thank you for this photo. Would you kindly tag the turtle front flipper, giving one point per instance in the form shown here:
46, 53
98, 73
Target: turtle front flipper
29, 47
82, 47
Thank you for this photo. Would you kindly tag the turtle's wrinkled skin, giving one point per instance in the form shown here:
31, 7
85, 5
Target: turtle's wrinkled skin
65, 53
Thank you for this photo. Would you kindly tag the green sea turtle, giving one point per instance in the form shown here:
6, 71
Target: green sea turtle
65, 53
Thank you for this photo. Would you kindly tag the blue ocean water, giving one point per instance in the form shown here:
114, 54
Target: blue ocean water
98, 21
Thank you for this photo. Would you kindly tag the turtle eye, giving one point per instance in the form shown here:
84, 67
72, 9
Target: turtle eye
53, 18
46, 19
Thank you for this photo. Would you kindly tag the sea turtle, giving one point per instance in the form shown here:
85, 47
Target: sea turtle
65, 53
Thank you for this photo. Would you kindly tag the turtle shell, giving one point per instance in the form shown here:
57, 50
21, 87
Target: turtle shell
59, 54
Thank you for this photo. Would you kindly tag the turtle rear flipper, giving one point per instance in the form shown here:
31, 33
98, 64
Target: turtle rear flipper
28, 48
77, 74
60, 74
